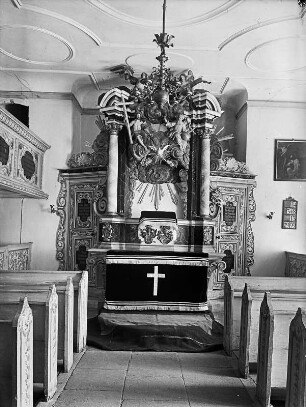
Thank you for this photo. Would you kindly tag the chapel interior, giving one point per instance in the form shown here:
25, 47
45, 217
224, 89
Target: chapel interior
157, 148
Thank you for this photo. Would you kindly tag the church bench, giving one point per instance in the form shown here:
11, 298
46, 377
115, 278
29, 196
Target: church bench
233, 289
16, 356
249, 327
59, 278
273, 342
296, 368
44, 308
65, 314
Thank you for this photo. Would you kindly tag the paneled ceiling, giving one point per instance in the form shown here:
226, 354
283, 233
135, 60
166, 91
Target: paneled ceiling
71, 45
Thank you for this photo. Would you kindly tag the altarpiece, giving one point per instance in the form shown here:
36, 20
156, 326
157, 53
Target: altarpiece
159, 190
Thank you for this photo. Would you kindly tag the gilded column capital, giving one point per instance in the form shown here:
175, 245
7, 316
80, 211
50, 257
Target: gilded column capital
114, 127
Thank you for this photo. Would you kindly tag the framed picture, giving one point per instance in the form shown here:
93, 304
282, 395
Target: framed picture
290, 160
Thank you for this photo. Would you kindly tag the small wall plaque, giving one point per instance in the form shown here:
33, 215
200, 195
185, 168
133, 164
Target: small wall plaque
289, 217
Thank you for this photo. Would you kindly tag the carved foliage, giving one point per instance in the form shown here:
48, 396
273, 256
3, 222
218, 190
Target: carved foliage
249, 232
265, 349
61, 229
18, 259
245, 326
296, 369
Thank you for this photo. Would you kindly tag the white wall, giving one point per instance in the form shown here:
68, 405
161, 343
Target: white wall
267, 122
52, 120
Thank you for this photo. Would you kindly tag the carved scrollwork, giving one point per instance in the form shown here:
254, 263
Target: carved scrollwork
249, 231
61, 229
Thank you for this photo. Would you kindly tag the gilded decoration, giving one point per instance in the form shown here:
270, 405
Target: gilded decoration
99, 156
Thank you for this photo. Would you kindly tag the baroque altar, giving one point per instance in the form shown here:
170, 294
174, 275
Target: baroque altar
157, 152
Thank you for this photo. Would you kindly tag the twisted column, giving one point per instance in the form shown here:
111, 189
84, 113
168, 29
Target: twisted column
112, 173
205, 173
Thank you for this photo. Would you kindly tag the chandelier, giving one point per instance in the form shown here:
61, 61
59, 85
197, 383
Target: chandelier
162, 112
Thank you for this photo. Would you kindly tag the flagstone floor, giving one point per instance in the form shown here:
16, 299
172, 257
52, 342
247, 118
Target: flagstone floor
153, 379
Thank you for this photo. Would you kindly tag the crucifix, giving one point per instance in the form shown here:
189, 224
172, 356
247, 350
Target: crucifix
155, 276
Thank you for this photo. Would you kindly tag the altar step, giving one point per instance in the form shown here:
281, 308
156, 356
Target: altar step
155, 331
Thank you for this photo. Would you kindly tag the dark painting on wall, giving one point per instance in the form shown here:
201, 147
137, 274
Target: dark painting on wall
290, 160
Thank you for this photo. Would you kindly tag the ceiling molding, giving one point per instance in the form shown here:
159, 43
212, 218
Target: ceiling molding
255, 27
81, 27
276, 104
253, 50
6, 94
44, 31
130, 19
53, 71
95, 81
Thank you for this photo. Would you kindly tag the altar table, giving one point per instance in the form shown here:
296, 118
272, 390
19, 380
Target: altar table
156, 281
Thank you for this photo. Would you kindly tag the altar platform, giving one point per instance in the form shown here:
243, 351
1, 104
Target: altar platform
155, 331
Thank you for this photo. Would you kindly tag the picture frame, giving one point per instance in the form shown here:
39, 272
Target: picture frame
290, 160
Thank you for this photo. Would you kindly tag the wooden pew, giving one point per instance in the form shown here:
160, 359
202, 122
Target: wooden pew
44, 308
273, 343
233, 289
65, 314
59, 278
296, 368
16, 356
249, 327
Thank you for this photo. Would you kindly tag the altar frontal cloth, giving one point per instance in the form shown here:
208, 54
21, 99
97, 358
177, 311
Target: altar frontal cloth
156, 281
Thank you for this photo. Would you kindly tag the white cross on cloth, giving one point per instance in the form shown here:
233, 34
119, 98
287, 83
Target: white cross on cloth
156, 276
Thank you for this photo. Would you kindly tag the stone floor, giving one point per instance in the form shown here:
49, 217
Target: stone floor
153, 379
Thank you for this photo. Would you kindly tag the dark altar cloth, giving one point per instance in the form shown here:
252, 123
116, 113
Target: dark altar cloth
155, 331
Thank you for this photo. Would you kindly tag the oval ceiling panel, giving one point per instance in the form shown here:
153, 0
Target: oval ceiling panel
178, 13
280, 55
34, 45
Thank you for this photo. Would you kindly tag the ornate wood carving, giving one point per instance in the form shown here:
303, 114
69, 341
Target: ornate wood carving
21, 160
295, 265
296, 369
61, 229
16, 257
80, 203
265, 349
